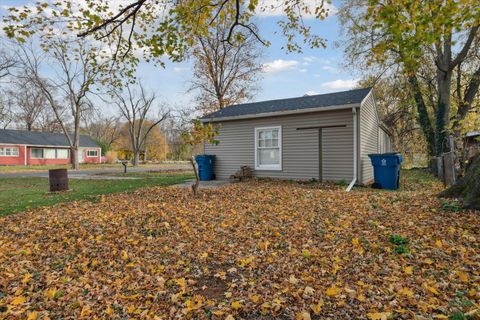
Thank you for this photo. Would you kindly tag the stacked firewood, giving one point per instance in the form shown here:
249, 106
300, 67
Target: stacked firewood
245, 172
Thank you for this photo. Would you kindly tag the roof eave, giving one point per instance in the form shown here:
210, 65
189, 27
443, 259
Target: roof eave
281, 113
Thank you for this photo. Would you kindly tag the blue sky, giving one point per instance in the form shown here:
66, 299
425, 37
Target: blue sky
287, 75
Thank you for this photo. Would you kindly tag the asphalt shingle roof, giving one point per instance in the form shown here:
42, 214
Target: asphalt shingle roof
35, 138
305, 102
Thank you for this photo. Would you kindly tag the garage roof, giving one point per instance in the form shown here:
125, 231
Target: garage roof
35, 138
297, 104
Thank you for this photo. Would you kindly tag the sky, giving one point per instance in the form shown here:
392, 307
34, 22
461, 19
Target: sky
285, 74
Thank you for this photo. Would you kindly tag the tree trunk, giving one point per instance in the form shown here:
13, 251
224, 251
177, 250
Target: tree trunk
467, 187
75, 160
136, 156
197, 178
423, 117
444, 79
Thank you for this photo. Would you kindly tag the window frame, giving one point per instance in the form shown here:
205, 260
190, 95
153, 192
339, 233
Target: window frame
276, 167
31, 154
92, 150
12, 154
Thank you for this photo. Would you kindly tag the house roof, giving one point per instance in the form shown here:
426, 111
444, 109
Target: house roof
35, 138
472, 134
298, 104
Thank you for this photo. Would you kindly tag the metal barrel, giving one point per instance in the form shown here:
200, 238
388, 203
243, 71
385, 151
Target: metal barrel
58, 180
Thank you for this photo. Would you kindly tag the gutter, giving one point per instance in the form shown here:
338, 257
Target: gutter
355, 164
280, 113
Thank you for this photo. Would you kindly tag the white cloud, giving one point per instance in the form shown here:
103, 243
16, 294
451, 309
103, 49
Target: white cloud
275, 8
179, 69
279, 65
303, 70
330, 69
340, 84
311, 93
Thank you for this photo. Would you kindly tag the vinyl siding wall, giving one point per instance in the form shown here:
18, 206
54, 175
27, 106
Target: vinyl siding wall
384, 141
300, 148
368, 138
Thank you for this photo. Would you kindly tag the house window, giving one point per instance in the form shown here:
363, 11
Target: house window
9, 152
268, 148
41, 153
92, 153
36, 153
62, 153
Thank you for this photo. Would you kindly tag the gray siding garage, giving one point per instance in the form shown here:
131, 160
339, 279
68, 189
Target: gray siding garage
300, 138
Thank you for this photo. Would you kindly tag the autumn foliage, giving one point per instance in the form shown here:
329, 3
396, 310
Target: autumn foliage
255, 250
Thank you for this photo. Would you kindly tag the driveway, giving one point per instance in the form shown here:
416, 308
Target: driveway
91, 172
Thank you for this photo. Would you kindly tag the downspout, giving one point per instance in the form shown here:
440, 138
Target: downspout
25, 155
355, 165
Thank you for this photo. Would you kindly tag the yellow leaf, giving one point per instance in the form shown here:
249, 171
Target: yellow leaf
439, 243
228, 294
355, 241
124, 255
333, 291
109, 311
378, 315
85, 312
26, 279
361, 297
431, 289
292, 279
317, 308
33, 315
255, 298
181, 282
406, 292
204, 255
18, 300
408, 270
304, 315
50, 293
236, 305
229, 317
463, 276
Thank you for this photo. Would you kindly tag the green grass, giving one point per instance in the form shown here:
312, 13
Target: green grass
19, 194
86, 166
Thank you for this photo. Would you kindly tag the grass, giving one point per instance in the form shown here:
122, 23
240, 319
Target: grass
83, 166
20, 194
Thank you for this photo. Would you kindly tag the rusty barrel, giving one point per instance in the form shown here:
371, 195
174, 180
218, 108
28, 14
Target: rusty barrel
58, 179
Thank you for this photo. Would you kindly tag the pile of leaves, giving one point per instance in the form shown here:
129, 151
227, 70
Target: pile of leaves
255, 250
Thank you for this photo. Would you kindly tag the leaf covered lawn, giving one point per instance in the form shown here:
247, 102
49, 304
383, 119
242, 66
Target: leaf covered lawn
255, 250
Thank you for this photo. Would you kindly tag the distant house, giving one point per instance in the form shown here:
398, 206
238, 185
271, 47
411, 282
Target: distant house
326, 137
43, 148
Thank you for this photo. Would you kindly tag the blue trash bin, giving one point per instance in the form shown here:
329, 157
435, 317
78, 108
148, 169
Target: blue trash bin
386, 169
205, 166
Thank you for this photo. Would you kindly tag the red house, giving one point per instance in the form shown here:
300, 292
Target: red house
19, 147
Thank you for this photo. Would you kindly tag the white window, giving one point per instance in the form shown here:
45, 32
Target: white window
36, 153
49, 153
62, 153
268, 148
9, 152
92, 153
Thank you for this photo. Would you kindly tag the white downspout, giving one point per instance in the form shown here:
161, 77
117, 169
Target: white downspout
355, 165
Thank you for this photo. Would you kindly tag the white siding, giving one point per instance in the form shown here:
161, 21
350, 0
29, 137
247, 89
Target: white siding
369, 127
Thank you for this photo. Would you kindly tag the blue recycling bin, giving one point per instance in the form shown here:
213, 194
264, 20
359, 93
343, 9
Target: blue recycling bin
386, 169
205, 166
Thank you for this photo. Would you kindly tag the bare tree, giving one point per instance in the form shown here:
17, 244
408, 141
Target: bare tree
29, 102
74, 70
135, 106
225, 73
7, 62
6, 115
104, 129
